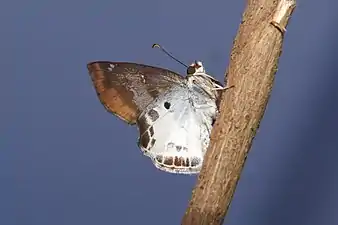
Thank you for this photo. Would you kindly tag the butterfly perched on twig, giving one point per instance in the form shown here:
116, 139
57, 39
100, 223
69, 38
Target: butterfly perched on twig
174, 114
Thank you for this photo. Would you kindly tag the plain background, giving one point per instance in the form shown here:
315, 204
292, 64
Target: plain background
65, 161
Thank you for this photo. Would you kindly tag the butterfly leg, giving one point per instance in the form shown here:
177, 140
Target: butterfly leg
218, 87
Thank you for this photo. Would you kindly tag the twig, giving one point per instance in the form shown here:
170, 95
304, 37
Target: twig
253, 64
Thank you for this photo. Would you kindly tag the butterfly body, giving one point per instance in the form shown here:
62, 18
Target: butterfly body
174, 114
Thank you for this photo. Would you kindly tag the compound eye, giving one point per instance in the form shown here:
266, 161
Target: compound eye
191, 70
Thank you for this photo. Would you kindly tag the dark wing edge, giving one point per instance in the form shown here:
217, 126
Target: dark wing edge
175, 74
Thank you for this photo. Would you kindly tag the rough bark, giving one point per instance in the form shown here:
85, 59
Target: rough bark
254, 58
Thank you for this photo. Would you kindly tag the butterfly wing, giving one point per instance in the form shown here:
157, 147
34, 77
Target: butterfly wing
175, 132
125, 89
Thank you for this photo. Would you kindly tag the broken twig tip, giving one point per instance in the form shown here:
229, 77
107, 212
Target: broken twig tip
280, 17
281, 28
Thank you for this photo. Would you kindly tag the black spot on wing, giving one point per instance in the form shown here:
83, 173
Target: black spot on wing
153, 114
151, 130
167, 105
187, 162
144, 140
168, 161
159, 158
195, 161
152, 142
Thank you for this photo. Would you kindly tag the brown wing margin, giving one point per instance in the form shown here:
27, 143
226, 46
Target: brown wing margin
125, 89
112, 93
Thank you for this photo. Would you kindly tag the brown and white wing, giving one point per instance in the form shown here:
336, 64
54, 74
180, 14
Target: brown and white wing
125, 89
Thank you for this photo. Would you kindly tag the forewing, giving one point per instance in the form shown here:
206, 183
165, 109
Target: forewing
125, 89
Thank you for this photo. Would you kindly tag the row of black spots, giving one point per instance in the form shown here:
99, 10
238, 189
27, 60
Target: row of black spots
147, 139
179, 148
152, 115
152, 141
143, 126
175, 161
146, 129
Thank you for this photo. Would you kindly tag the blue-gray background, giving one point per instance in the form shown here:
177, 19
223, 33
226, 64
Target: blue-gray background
64, 160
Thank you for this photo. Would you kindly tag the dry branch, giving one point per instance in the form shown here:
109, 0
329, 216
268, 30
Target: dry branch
252, 67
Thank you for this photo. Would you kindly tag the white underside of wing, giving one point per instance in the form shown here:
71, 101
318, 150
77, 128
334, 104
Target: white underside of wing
181, 134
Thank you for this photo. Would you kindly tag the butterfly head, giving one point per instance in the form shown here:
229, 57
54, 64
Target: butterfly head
196, 67
197, 77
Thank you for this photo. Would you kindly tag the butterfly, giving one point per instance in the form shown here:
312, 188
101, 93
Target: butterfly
174, 114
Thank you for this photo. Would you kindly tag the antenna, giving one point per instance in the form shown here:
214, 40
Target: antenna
168, 54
